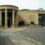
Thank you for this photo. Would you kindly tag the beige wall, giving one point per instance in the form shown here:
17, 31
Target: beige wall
28, 16
41, 12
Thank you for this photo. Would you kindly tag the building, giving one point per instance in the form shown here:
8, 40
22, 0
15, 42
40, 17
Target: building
11, 16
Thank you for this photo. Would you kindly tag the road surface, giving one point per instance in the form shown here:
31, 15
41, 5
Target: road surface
15, 39
36, 33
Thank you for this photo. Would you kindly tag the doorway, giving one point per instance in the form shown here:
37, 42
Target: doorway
9, 16
21, 23
32, 23
42, 19
3, 17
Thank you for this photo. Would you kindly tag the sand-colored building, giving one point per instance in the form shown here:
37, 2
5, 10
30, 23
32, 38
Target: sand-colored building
11, 16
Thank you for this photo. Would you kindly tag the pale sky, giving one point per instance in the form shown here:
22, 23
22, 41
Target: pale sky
25, 4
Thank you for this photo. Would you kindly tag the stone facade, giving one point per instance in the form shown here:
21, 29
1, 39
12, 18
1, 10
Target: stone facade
11, 16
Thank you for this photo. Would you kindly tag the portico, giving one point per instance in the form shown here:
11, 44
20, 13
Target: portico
7, 16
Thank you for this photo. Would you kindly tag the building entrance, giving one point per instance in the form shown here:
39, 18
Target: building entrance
42, 19
9, 17
3, 17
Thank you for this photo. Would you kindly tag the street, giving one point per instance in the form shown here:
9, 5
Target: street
36, 33
31, 36
4, 40
15, 39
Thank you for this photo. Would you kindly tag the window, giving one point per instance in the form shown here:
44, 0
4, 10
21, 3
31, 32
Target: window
21, 23
9, 15
3, 17
15, 12
32, 23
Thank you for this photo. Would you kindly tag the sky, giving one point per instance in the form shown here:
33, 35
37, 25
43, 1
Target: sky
25, 4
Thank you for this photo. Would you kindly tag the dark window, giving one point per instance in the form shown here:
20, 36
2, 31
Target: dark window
21, 23
9, 13
3, 17
15, 12
42, 19
32, 23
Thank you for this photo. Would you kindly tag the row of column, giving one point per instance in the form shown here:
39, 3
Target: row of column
6, 18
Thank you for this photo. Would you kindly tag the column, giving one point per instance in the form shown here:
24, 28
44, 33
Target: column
13, 19
17, 20
0, 18
5, 18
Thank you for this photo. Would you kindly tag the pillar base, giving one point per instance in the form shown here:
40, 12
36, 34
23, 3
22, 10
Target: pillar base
5, 26
12, 26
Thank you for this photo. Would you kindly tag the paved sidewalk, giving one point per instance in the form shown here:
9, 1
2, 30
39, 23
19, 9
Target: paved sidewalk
15, 38
19, 39
13, 29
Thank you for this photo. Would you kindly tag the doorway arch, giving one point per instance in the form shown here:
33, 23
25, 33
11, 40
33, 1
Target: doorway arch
32, 23
21, 23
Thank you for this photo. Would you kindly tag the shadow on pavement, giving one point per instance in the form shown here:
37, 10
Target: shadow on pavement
4, 40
